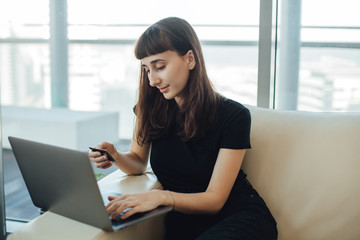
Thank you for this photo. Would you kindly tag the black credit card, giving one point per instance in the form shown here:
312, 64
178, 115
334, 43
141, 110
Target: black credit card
103, 152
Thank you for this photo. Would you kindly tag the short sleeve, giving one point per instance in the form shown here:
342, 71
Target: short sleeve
236, 127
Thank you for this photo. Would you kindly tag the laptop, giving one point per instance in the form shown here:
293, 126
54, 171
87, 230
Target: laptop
62, 181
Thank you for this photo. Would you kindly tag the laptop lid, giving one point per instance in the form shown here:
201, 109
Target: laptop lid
61, 181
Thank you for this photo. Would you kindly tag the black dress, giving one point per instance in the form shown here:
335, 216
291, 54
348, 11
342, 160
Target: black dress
187, 166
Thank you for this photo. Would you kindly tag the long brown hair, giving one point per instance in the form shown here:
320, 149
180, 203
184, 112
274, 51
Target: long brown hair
157, 116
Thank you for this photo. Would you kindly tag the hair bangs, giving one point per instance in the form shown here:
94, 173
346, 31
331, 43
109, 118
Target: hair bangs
152, 42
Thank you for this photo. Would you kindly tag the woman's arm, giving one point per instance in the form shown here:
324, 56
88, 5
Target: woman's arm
211, 201
133, 162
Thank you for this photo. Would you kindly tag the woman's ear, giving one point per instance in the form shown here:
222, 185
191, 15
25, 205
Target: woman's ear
191, 59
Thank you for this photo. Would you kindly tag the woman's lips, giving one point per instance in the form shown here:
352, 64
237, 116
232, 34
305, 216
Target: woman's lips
164, 89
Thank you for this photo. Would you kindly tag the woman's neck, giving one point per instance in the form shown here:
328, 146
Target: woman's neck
180, 102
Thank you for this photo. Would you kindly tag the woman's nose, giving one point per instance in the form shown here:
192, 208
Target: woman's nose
154, 80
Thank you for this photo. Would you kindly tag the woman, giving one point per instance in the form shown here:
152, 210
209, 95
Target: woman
197, 139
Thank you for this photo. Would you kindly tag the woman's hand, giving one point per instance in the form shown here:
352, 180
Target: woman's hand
139, 202
102, 161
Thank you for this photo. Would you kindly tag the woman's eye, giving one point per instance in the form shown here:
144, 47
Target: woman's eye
161, 67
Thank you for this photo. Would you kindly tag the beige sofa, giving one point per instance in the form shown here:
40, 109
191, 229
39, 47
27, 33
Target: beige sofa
307, 168
305, 165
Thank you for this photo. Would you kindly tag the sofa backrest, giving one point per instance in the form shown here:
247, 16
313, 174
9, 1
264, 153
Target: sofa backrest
306, 166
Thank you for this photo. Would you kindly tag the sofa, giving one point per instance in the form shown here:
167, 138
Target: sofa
307, 168
305, 165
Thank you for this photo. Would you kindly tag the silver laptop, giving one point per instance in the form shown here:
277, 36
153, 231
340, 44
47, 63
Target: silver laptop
62, 181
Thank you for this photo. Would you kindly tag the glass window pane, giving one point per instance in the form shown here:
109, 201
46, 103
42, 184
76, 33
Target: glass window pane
232, 12
104, 78
330, 13
233, 71
25, 75
329, 79
24, 19
25, 80
318, 56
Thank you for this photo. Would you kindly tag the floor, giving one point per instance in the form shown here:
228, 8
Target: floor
17, 199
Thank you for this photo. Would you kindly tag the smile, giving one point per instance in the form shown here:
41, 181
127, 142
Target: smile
164, 89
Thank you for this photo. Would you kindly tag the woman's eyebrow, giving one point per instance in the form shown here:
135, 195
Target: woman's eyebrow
153, 62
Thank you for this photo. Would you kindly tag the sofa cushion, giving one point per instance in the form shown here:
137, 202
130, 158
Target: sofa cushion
306, 166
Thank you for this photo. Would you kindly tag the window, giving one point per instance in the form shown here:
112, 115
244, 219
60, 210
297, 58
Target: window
319, 56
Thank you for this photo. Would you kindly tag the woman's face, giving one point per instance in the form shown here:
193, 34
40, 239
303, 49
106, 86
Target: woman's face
169, 72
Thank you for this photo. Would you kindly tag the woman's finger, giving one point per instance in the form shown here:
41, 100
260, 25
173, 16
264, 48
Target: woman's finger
130, 212
101, 161
125, 206
115, 203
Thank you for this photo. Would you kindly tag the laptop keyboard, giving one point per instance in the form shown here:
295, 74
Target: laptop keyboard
119, 221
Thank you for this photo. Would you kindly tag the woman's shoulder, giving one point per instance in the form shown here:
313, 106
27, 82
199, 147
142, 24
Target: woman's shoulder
234, 125
229, 106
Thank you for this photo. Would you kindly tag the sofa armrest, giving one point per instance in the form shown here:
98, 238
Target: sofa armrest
54, 226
